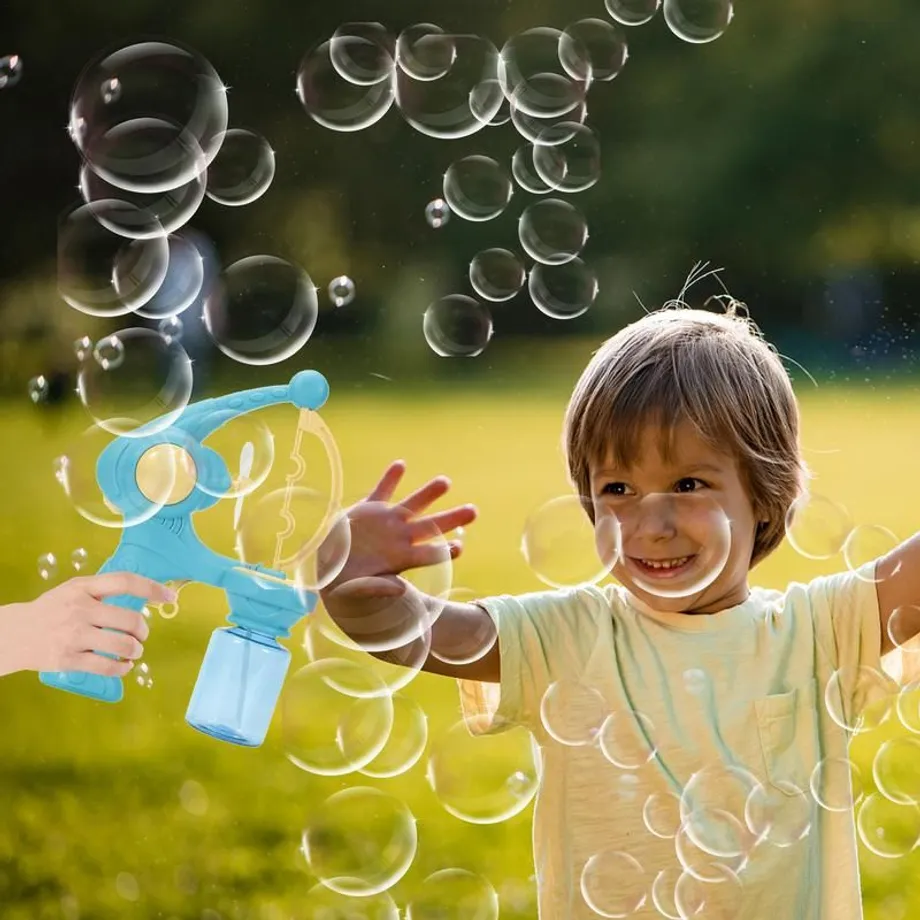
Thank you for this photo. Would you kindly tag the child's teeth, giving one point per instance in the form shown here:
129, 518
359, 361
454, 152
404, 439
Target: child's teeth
666, 564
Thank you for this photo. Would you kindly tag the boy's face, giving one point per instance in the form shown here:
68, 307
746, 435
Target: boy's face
681, 530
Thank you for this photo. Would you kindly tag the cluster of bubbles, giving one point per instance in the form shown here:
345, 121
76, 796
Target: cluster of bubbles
10, 70
48, 563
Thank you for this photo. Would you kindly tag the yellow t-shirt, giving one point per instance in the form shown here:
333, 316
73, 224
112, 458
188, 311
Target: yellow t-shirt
691, 764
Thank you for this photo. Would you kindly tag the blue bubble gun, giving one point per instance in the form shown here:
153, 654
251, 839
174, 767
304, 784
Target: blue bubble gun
244, 667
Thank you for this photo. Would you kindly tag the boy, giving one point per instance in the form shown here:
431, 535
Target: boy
691, 728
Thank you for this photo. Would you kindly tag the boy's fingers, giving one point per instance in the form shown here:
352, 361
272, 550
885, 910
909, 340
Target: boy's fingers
428, 493
430, 554
383, 491
99, 664
368, 586
107, 616
443, 522
115, 583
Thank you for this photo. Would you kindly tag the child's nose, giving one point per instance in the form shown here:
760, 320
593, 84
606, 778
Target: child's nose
656, 518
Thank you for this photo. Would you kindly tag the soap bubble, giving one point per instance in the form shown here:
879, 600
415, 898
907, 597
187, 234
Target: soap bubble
165, 125
903, 627
836, 784
605, 46
496, 274
143, 677
10, 70
688, 512
894, 769
47, 566
38, 389
474, 644
484, 779
524, 172
437, 213
243, 169
456, 103
572, 712
817, 527
341, 291
170, 328
320, 903
183, 282
127, 886
552, 231
614, 884
360, 841
544, 72
138, 384
247, 446
457, 326
531, 128
888, 829
476, 188
406, 743
698, 21
110, 90
661, 815
78, 559
327, 732
851, 694
455, 894
263, 311
779, 813
560, 545
567, 157
362, 53
720, 896
632, 12
83, 348
625, 739
335, 102
148, 215
194, 798
424, 52
563, 291
866, 543
104, 274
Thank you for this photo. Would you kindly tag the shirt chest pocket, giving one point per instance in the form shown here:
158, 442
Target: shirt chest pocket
787, 724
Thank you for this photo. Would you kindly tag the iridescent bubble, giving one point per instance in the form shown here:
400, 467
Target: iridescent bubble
104, 274
424, 52
698, 21
567, 157
38, 389
78, 559
437, 213
334, 102
851, 694
47, 566
524, 173
817, 527
712, 811
341, 291
531, 128
477, 188
407, 741
572, 712
903, 628
454, 893
263, 311
894, 769
170, 328
360, 841
148, 215
625, 739
721, 896
886, 828
243, 169
605, 46
484, 779
663, 891
780, 813
457, 103
137, 380
661, 815
866, 543
552, 231
83, 348
183, 282
496, 274
614, 884
362, 53
562, 547
632, 12
10, 70
165, 125
320, 903
535, 79
473, 644
563, 291
836, 784
457, 326
330, 733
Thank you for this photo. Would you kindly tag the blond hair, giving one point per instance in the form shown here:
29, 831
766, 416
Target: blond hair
713, 370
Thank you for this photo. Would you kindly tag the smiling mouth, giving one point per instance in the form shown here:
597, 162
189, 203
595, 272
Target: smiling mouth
663, 568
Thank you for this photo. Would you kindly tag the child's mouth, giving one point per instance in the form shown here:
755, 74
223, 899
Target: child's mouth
663, 568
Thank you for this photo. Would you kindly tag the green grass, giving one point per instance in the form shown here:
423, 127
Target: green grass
92, 820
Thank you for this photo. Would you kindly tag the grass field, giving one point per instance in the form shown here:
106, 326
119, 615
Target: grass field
124, 811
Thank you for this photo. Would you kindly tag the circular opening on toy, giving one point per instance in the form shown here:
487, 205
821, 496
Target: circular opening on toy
166, 474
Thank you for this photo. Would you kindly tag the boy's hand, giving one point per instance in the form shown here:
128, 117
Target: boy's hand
61, 629
387, 539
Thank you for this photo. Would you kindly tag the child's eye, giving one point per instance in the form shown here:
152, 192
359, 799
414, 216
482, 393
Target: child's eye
689, 484
614, 488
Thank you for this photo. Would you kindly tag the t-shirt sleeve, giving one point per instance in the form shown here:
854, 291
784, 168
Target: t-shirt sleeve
846, 620
542, 636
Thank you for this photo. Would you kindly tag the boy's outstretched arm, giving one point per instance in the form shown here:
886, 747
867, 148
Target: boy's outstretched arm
384, 613
898, 588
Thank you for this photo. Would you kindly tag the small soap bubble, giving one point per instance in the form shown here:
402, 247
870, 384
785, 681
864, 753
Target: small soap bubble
698, 21
47, 566
563, 291
632, 12
552, 231
110, 90
614, 884
109, 352
437, 213
243, 169
496, 274
454, 893
457, 326
194, 798
38, 389
341, 291
695, 681
10, 70
78, 559
83, 348
170, 328
477, 188
127, 887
